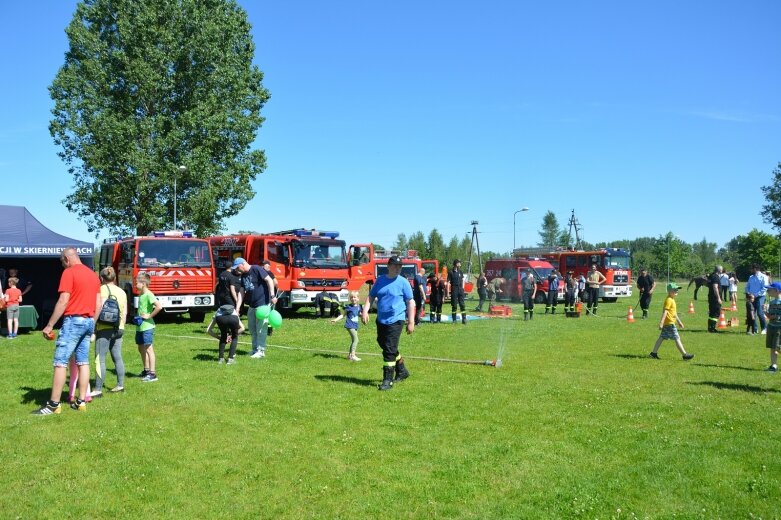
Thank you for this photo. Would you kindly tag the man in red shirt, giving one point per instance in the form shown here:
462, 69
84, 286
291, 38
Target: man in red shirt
79, 303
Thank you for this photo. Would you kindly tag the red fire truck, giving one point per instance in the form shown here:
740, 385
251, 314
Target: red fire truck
513, 270
612, 262
367, 264
179, 265
303, 261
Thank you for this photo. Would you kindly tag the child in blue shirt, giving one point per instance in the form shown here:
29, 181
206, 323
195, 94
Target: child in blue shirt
773, 338
352, 313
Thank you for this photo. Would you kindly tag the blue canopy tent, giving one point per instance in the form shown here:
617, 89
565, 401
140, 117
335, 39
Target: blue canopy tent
34, 249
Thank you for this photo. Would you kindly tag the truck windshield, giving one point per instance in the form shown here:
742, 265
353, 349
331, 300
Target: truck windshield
407, 271
617, 261
542, 272
324, 255
173, 253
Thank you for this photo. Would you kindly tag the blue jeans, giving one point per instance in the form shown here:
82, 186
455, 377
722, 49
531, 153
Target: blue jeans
258, 329
759, 305
73, 337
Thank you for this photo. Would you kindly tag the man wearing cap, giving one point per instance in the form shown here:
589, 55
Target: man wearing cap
646, 285
394, 304
79, 303
258, 290
714, 298
756, 285
229, 285
455, 286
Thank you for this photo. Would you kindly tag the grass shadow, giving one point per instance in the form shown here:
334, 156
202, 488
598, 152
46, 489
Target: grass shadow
206, 357
35, 395
327, 356
747, 369
738, 387
345, 379
630, 356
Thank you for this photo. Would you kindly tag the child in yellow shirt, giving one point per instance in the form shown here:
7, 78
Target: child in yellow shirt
667, 324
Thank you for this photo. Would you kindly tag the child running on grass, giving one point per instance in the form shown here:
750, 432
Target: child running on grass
352, 313
148, 308
773, 338
667, 324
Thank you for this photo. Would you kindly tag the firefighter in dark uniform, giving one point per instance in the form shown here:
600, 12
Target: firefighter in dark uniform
455, 284
714, 298
419, 294
528, 293
553, 292
436, 297
646, 285
571, 286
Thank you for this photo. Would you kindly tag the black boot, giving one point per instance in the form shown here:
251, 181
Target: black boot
439, 318
432, 319
531, 315
553, 310
453, 316
525, 315
463, 318
401, 371
387, 378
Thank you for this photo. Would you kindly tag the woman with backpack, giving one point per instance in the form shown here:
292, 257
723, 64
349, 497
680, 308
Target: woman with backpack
109, 329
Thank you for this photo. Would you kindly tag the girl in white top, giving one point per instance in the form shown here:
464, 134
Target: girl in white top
733, 289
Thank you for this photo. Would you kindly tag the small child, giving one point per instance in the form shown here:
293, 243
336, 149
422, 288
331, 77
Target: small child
667, 324
227, 319
148, 308
13, 297
751, 315
773, 339
352, 313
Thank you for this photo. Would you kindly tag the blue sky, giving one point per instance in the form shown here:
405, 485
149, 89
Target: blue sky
398, 117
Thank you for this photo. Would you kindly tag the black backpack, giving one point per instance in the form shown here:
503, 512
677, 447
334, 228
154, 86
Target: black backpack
109, 313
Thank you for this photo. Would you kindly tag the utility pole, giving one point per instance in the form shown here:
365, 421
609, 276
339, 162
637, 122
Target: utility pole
475, 245
573, 223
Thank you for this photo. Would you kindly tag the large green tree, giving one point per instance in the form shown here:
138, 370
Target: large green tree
771, 212
147, 86
550, 233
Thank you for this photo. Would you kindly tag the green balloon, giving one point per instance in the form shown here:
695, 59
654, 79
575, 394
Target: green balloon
262, 312
275, 319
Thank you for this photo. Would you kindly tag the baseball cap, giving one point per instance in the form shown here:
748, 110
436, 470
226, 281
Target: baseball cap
774, 285
239, 261
394, 260
673, 287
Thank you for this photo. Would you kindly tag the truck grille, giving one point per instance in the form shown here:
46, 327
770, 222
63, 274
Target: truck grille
173, 282
327, 283
621, 278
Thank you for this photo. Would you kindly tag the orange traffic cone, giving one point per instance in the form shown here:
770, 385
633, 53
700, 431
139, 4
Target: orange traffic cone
631, 316
722, 321
691, 307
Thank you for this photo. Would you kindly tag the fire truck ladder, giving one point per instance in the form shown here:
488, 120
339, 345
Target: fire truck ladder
475, 242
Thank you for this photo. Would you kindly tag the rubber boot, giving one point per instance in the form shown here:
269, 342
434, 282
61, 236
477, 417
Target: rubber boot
525, 315
453, 316
463, 318
387, 378
432, 318
547, 310
553, 310
401, 371
439, 318
531, 315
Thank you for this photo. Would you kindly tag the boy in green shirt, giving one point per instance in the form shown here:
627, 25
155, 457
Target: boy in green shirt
667, 324
148, 308
773, 338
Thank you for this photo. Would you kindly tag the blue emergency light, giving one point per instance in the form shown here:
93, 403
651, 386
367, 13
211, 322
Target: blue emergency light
179, 234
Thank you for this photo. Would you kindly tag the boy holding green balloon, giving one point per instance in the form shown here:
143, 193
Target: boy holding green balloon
258, 291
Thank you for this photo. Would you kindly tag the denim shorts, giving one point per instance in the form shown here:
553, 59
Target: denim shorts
73, 338
145, 337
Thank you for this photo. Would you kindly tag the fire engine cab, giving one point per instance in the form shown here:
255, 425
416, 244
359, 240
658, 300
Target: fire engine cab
513, 270
179, 266
303, 262
367, 264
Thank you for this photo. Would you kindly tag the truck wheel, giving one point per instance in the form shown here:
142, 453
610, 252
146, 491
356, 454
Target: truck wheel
131, 311
540, 297
197, 316
610, 300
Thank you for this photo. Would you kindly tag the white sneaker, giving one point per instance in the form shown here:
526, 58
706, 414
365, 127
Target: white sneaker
257, 355
764, 332
353, 358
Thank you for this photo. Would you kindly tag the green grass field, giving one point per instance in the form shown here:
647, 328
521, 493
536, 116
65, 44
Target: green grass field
577, 423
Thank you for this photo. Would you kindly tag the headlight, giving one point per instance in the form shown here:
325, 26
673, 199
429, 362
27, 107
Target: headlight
344, 284
197, 300
301, 284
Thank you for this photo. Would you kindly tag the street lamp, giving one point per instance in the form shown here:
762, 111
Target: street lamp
519, 211
183, 170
